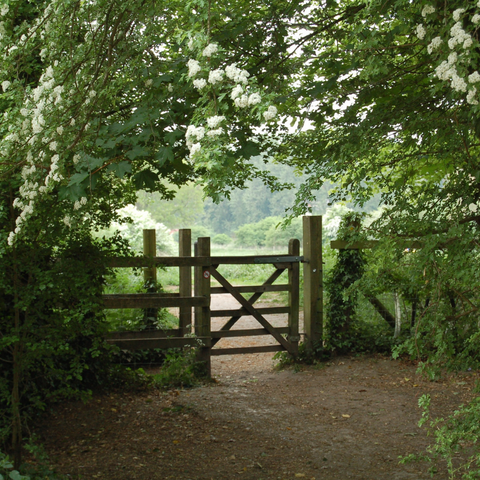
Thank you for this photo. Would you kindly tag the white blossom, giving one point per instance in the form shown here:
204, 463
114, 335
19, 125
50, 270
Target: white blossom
4, 10
458, 83
200, 83
60, 130
72, 122
53, 146
236, 74
421, 32
215, 133
5, 85
457, 14
476, 18
427, 10
236, 92
195, 148
434, 44
25, 112
210, 49
193, 131
215, 76
149, 82
270, 113
471, 96
474, 77
242, 102
468, 42
193, 67
254, 99
214, 121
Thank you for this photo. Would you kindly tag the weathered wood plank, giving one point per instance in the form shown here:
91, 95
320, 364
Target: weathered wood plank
312, 281
254, 288
242, 312
152, 300
147, 343
242, 350
294, 297
185, 280
252, 332
254, 259
134, 262
206, 260
202, 314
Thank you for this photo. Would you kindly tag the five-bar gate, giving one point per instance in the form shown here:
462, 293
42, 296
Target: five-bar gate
205, 268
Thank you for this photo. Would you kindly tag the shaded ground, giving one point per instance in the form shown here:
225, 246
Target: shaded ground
350, 418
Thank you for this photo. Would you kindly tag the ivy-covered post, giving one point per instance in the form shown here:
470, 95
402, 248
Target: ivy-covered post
312, 283
342, 301
150, 274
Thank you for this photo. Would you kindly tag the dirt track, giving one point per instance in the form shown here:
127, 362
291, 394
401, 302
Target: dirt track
350, 418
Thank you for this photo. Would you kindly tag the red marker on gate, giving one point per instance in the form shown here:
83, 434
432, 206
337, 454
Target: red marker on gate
206, 274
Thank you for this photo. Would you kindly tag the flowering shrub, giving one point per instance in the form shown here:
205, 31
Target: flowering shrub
222, 86
455, 48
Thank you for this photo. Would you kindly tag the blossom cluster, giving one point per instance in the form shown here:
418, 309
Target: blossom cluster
457, 65
37, 129
230, 78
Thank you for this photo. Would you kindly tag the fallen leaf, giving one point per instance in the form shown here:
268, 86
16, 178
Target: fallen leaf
345, 415
299, 475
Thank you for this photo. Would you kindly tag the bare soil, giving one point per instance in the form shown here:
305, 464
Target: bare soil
350, 418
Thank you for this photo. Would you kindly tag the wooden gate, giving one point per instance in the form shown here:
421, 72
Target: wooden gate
206, 267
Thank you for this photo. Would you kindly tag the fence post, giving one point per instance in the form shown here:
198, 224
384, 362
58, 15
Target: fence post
293, 296
202, 314
185, 289
150, 273
312, 282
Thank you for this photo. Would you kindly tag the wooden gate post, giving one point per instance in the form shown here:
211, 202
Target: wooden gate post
202, 314
312, 282
293, 296
185, 288
149, 250
150, 274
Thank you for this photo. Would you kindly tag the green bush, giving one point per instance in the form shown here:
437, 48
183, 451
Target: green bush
221, 239
255, 234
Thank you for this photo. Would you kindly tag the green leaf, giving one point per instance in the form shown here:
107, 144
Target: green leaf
249, 149
120, 169
15, 475
146, 180
137, 151
77, 178
164, 154
72, 192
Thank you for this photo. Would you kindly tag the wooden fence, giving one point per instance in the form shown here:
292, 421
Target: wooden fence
205, 267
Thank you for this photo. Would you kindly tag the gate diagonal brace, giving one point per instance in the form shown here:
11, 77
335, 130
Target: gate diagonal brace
251, 310
251, 300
